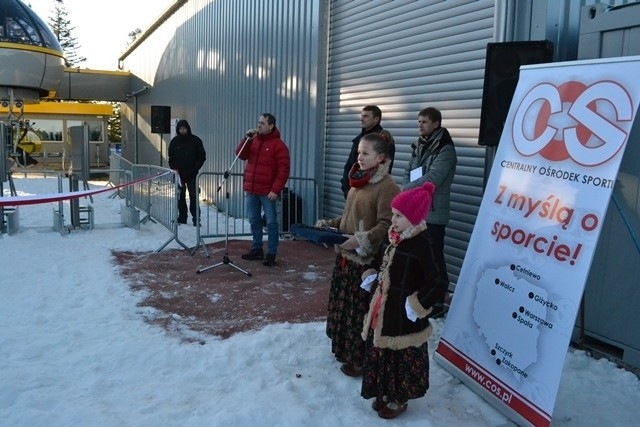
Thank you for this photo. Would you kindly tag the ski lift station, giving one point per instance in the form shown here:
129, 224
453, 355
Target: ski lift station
40, 99
314, 64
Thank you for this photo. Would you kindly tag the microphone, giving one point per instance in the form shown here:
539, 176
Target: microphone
251, 133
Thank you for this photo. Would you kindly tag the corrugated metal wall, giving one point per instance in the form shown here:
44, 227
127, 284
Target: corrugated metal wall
555, 20
220, 64
403, 56
612, 286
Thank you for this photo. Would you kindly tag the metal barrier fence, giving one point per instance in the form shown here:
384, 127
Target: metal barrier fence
222, 202
226, 213
118, 171
156, 197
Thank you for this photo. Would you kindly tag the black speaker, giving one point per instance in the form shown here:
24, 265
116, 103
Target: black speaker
501, 73
160, 119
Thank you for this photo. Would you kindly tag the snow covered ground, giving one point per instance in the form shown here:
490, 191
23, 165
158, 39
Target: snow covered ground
75, 351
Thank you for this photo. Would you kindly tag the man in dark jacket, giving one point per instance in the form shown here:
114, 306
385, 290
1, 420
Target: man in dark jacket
186, 156
267, 171
370, 122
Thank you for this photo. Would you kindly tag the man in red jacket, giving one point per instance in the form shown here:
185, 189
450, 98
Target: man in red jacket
267, 172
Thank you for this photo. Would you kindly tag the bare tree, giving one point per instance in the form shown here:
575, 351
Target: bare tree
133, 35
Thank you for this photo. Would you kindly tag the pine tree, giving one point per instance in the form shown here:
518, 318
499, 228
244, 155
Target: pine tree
115, 123
62, 29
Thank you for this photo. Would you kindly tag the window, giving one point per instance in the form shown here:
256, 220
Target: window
95, 128
19, 24
48, 130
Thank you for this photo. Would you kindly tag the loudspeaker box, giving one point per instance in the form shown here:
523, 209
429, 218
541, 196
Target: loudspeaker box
160, 119
501, 73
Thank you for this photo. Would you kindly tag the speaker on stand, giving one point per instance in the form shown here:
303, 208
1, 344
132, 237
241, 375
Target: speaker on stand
160, 122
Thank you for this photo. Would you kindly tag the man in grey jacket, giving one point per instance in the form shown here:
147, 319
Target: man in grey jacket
433, 159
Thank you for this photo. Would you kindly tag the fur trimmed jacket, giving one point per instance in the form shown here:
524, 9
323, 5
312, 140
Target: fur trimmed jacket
406, 274
367, 215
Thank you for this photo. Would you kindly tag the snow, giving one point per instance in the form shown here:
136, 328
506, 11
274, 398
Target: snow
75, 350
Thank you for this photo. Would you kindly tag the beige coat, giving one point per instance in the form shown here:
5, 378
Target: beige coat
367, 215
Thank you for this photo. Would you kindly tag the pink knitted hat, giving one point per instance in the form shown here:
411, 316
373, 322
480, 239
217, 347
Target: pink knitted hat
415, 203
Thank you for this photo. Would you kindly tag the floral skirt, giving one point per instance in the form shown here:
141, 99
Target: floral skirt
348, 304
398, 375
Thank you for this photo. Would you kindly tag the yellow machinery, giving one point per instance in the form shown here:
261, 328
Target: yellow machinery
28, 140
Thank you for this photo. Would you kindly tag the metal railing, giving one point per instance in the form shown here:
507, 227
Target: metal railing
156, 197
219, 197
298, 203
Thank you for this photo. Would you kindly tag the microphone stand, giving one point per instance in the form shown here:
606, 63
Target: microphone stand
225, 258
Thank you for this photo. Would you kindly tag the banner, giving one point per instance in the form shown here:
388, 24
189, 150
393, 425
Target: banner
519, 290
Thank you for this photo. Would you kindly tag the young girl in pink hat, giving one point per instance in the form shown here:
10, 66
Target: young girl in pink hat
396, 327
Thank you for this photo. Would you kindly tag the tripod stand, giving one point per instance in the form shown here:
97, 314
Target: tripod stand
225, 257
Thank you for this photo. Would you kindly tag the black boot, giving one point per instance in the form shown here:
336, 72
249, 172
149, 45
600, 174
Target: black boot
253, 255
270, 260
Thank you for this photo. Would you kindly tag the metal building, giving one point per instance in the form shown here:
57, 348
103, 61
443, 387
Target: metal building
315, 63
609, 315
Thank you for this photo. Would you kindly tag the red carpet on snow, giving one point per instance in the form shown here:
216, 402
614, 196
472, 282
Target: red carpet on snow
222, 301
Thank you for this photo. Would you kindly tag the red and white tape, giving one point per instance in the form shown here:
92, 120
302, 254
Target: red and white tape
57, 197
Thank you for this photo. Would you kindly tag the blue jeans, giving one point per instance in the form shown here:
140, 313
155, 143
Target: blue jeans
254, 205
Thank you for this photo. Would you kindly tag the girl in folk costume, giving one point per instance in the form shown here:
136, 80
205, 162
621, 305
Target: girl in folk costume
365, 221
396, 327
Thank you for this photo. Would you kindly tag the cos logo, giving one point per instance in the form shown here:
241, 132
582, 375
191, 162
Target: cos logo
588, 124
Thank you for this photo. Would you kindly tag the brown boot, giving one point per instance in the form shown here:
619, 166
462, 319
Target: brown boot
377, 405
351, 370
392, 410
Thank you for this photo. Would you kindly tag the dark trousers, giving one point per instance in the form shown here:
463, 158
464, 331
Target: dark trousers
436, 239
189, 186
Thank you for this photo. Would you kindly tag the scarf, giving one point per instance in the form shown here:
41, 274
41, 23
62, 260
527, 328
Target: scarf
359, 178
433, 139
395, 238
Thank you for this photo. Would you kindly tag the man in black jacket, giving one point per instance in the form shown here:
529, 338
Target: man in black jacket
370, 122
186, 156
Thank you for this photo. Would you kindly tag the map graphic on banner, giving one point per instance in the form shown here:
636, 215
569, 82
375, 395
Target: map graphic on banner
508, 329
501, 285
